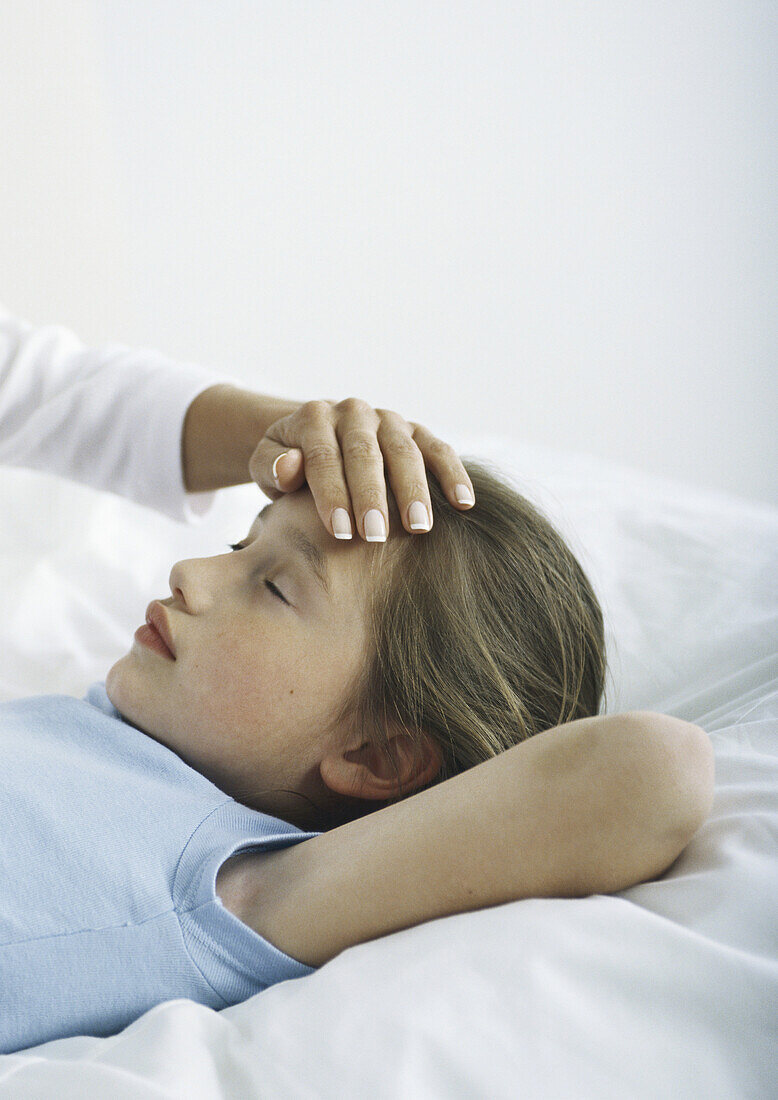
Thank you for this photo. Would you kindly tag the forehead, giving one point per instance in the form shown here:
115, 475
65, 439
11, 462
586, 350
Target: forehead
295, 521
300, 508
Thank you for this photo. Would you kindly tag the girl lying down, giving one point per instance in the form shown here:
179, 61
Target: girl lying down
316, 739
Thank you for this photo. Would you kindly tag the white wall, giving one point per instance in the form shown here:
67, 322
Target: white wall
554, 220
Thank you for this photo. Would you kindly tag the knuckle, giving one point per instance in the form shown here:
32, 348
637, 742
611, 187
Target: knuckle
394, 419
354, 405
316, 409
360, 445
404, 447
418, 430
322, 455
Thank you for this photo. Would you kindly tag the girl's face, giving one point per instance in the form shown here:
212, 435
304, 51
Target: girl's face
256, 678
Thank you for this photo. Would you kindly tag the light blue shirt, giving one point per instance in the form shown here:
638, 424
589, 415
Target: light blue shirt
110, 849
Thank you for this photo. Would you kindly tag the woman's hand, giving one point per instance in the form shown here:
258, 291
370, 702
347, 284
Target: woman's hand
347, 451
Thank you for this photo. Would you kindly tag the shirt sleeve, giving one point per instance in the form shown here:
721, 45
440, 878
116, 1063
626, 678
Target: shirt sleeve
110, 417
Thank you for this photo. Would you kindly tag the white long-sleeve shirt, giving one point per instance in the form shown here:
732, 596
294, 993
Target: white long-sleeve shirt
110, 416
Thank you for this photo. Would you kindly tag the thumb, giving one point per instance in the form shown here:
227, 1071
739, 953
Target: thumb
288, 471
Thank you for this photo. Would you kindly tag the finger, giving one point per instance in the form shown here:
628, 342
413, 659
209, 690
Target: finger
363, 465
277, 463
405, 472
446, 465
304, 447
287, 461
324, 471
288, 470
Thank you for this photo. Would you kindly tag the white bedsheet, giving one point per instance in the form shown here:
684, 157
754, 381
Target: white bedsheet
667, 989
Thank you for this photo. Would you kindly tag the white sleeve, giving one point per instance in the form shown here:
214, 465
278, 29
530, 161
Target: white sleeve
110, 417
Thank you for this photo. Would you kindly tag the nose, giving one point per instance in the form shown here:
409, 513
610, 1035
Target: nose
188, 582
177, 581
194, 579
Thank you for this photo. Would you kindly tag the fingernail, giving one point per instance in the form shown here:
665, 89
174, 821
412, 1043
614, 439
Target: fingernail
375, 529
463, 495
417, 517
275, 470
341, 524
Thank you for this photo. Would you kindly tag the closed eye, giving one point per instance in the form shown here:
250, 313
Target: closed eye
275, 591
268, 584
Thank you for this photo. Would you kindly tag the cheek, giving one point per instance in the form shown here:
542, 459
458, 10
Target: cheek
237, 673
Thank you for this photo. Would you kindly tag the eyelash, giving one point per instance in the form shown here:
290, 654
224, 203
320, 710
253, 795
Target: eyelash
276, 592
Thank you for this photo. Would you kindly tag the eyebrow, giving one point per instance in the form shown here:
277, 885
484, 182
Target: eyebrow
315, 558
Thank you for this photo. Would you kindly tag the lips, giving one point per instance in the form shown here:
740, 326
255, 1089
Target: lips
156, 616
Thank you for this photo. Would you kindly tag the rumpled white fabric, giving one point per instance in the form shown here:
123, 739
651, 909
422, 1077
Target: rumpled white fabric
669, 989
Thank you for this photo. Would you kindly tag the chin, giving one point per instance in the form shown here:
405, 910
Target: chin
113, 677
113, 688
109, 682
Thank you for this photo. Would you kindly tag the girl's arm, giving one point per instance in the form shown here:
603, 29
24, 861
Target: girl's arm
592, 806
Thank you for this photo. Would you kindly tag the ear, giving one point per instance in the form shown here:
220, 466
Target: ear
367, 773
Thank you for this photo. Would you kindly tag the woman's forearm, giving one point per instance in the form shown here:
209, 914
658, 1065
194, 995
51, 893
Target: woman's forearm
222, 427
593, 806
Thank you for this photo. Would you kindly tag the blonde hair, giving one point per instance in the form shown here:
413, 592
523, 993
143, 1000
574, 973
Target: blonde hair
485, 631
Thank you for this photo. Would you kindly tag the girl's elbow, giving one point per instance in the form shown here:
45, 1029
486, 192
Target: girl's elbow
685, 774
693, 777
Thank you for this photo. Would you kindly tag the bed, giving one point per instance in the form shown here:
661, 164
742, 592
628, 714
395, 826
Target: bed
668, 989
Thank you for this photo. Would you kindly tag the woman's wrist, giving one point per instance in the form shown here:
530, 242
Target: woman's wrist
221, 429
